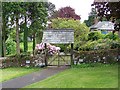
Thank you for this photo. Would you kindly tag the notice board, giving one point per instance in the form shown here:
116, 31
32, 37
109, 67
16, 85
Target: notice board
58, 36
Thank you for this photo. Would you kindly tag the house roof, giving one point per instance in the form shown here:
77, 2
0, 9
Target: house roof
103, 25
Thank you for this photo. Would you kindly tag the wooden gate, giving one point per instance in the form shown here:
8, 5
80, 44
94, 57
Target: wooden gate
59, 60
43, 58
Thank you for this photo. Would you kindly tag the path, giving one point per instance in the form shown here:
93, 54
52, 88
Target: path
32, 78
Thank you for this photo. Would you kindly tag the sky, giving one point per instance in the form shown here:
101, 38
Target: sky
82, 7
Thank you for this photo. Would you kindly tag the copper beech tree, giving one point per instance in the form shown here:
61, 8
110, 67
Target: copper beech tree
66, 12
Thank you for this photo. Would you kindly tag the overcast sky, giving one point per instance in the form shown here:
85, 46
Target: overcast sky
82, 7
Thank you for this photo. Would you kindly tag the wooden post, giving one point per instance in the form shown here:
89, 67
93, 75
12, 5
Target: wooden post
72, 61
1, 42
1, 45
58, 59
45, 54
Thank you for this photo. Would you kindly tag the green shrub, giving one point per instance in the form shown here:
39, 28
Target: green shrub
13, 35
95, 35
10, 46
100, 44
90, 45
115, 44
111, 36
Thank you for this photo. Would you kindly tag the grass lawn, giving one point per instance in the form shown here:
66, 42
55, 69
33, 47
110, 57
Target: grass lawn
29, 46
9, 73
82, 76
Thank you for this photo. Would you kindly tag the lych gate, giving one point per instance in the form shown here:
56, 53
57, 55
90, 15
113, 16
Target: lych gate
58, 36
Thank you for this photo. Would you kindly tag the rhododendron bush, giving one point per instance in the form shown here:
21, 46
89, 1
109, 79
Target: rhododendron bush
51, 48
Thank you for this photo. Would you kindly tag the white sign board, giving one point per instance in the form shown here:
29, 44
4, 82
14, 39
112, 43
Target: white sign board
60, 36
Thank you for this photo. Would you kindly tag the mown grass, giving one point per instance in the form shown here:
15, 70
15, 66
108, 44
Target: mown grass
82, 76
30, 45
13, 72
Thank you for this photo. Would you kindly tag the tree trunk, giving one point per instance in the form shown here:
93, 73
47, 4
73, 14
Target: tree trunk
25, 36
39, 37
33, 43
119, 33
3, 38
4, 46
1, 41
17, 36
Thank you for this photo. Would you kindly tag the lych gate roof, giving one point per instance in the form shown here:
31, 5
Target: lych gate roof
103, 25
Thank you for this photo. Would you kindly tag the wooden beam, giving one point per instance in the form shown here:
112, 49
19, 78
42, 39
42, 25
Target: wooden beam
45, 54
72, 61
0, 42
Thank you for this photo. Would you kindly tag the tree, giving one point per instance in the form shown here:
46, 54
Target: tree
24, 23
0, 38
38, 14
14, 14
18, 12
24, 17
54, 15
66, 12
90, 21
80, 29
108, 10
50, 7
5, 16
91, 18
0, 30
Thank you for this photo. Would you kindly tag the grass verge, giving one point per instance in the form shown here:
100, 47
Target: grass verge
82, 76
10, 73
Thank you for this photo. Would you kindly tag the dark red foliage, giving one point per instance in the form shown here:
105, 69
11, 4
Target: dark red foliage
68, 12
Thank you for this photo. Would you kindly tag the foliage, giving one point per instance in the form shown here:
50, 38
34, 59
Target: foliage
38, 19
91, 18
50, 7
66, 12
10, 46
30, 45
111, 36
107, 9
13, 35
100, 44
89, 45
115, 44
5, 15
15, 13
95, 35
54, 15
90, 21
24, 16
80, 29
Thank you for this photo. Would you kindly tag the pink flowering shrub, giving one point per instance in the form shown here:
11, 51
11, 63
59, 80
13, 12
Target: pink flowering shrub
51, 48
